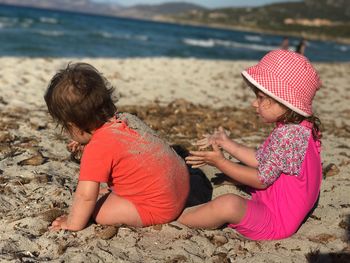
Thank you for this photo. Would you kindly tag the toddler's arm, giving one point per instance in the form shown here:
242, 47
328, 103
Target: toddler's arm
241, 152
243, 174
82, 208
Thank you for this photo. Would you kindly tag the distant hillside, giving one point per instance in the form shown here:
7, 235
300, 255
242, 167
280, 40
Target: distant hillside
111, 9
321, 19
153, 11
84, 6
317, 19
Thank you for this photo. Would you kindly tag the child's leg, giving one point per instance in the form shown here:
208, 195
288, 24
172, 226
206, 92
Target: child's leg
112, 209
227, 208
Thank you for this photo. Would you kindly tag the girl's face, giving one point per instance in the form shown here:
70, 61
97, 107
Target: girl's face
78, 135
268, 109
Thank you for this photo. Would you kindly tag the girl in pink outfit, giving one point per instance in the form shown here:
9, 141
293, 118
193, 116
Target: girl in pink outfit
284, 173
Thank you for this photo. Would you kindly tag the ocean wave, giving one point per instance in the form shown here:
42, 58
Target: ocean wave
253, 38
48, 20
6, 22
103, 34
109, 35
14, 22
141, 37
209, 43
201, 43
26, 23
50, 33
343, 48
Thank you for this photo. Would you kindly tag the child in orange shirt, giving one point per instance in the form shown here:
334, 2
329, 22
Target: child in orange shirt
148, 181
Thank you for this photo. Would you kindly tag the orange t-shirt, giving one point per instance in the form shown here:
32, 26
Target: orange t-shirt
138, 167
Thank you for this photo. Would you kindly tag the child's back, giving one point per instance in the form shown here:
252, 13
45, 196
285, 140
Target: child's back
139, 167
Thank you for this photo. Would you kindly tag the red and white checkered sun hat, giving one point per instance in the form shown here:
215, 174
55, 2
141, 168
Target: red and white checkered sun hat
288, 77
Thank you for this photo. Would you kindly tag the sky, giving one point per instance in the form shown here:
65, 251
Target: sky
205, 3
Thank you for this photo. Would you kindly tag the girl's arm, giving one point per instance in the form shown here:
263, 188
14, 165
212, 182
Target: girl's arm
84, 203
243, 174
241, 152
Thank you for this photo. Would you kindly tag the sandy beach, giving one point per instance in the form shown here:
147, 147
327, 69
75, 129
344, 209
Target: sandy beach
181, 99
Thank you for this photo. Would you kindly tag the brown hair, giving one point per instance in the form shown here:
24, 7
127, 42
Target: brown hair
291, 116
79, 94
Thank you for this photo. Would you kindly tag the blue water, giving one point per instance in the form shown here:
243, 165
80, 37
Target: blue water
43, 33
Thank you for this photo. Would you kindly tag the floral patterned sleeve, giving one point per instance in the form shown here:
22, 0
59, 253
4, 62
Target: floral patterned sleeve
282, 152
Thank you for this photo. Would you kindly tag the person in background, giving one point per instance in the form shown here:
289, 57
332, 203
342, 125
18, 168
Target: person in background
285, 43
300, 48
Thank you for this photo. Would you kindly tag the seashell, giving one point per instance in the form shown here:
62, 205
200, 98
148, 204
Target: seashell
51, 215
42, 178
21, 181
158, 227
2, 101
35, 160
218, 240
5, 137
61, 248
323, 238
330, 170
7, 190
38, 126
64, 244
106, 232
6, 151
344, 225
28, 142
221, 257
175, 226
177, 259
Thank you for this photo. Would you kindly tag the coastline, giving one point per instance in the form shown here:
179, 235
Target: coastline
242, 28
170, 20
38, 177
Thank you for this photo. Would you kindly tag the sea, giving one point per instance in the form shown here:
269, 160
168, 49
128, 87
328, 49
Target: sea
34, 32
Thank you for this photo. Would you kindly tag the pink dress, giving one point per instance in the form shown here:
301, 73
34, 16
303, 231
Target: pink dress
289, 162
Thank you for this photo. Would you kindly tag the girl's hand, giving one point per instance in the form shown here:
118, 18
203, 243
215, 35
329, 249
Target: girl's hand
59, 223
218, 137
200, 158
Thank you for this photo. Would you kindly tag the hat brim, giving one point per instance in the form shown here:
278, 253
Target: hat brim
252, 79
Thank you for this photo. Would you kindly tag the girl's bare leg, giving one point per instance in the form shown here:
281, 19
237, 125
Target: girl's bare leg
227, 208
112, 210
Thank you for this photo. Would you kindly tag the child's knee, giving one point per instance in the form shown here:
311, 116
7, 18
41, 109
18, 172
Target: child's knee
231, 206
